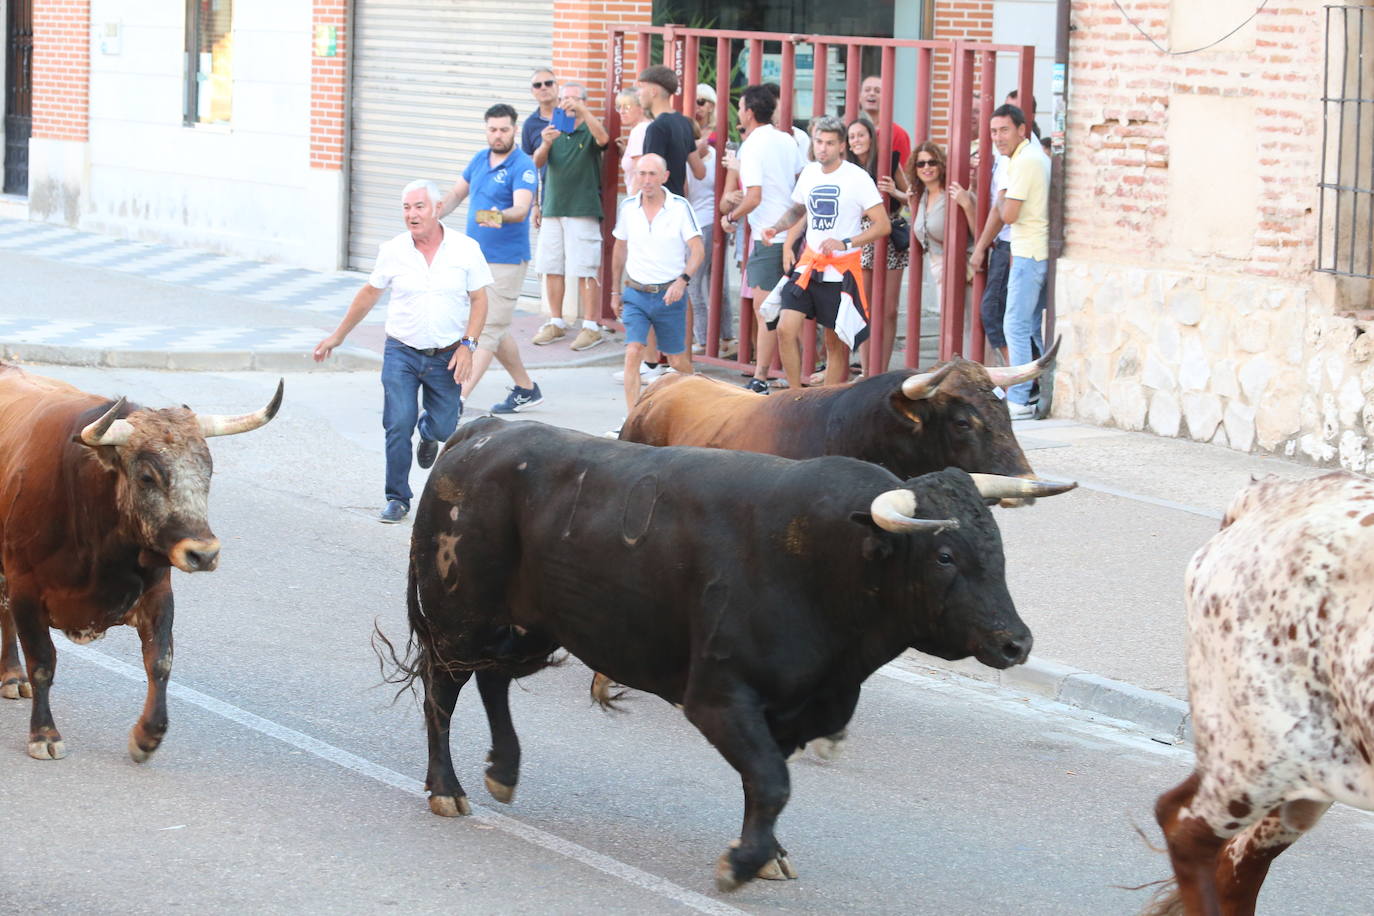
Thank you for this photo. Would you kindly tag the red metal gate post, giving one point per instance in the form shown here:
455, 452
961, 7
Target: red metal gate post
956, 224
610, 176
925, 62
877, 332
719, 243
987, 76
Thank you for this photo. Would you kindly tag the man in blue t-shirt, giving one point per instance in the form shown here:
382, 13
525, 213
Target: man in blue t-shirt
500, 182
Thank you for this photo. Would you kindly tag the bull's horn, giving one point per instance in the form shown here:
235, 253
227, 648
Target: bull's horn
892, 511
216, 425
918, 387
107, 430
995, 486
1006, 376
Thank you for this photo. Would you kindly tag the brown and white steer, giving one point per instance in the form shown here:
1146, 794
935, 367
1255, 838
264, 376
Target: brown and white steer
1281, 682
98, 500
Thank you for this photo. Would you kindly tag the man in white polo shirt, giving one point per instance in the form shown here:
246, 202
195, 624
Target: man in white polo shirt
657, 249
438, 281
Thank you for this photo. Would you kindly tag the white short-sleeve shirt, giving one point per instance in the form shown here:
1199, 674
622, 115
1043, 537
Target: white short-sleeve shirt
656, 252
429, 302
769, 159
835, 204
999, 181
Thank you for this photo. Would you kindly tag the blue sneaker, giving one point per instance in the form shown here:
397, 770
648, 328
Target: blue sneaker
395, 511
520, 399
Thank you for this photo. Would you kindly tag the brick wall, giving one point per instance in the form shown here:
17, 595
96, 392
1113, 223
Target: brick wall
967, 20
580, 48
61, 69
1120, 88
327, 87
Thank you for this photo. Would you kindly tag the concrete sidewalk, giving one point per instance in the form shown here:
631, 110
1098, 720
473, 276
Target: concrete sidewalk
1097, 573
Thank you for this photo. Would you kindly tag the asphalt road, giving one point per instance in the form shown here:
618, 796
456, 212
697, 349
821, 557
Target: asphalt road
290, 782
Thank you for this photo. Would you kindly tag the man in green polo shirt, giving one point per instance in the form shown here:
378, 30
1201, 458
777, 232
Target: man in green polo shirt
1024, 204
570, 235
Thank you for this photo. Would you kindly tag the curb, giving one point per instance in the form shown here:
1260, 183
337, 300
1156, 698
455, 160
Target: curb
1164, 717
349, 360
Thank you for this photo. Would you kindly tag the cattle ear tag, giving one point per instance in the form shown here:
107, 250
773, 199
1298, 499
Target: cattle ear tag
1001, 395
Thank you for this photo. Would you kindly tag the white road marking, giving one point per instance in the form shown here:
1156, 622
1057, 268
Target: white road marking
364, 767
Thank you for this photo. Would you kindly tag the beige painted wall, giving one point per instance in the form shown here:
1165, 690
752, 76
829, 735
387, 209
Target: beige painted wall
1213, 176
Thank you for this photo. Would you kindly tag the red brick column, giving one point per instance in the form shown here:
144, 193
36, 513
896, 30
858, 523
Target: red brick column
966, 20
61, 69
327, 85
580, 48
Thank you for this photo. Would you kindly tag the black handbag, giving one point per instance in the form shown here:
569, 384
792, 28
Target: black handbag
900, 237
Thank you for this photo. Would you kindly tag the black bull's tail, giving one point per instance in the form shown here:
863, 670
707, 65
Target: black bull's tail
506, 649
403, 669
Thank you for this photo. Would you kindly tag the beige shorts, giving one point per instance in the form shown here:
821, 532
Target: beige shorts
504, 292
569, 246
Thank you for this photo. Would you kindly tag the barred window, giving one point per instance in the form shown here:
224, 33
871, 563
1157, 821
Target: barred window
1345, 246
209, 61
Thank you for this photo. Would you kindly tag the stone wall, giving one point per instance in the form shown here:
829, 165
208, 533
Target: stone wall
1187, 295
1247, 362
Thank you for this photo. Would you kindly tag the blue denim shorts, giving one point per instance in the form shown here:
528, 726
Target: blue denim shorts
644, 310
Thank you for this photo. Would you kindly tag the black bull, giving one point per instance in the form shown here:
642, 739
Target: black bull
787, 583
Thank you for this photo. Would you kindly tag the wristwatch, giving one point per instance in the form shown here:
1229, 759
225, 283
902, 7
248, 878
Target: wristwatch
685, 278
469, 342
848, 243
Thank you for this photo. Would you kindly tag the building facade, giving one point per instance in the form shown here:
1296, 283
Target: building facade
285, 133
1215, 282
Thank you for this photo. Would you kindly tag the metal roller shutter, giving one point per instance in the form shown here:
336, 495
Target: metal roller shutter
424, 71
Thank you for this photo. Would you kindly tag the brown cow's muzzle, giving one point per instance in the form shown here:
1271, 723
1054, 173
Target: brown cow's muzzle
195, 555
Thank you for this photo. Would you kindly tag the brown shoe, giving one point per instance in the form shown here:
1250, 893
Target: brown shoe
548, 334
729, 349
587, 338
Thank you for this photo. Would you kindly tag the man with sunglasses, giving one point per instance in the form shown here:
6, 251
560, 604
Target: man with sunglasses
544, 88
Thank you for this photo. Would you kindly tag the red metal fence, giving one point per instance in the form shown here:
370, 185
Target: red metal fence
972, 64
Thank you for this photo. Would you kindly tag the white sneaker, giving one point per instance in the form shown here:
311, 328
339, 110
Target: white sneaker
646, 374
698, 349
1020, 411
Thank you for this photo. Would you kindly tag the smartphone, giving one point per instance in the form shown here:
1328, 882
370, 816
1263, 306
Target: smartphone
563, 122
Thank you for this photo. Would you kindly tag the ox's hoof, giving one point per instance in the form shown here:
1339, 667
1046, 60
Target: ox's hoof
500, 791
138, 753
47, 748
449, 806
829, 747
16, 687
776, 869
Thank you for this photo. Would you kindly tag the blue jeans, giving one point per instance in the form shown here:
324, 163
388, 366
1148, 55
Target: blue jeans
406, 372
1023, 319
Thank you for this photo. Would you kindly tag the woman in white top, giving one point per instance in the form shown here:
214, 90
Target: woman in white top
928, 207
631, 147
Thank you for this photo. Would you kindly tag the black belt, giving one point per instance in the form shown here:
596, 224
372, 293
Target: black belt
429, 351
648, 287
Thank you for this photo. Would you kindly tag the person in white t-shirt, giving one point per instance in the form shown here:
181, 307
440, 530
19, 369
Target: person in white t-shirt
834, 196
994, 245
701, 194
768, 167
438, 279
631, 146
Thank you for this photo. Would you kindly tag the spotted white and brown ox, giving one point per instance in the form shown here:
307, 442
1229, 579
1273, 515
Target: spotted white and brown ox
98, 500
1281, 683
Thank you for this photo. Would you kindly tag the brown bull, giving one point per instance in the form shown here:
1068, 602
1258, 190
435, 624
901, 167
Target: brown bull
98, 500
909, 423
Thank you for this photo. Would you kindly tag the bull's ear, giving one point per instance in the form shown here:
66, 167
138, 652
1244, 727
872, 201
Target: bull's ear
877, 544
107, 455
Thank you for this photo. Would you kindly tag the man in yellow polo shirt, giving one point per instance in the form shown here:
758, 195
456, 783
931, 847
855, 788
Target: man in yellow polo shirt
1024, 204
